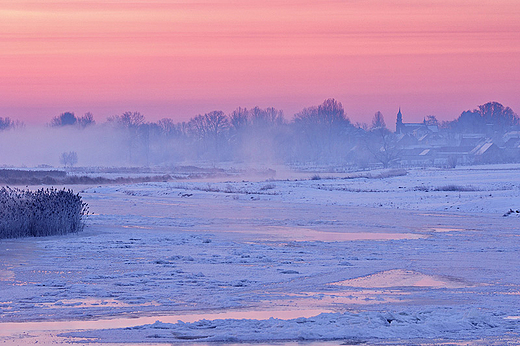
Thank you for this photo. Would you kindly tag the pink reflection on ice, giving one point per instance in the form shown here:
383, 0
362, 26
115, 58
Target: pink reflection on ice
6, 275
19, 327
307, 234
402, 278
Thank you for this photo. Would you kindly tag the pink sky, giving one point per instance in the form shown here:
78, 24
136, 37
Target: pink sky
180, 58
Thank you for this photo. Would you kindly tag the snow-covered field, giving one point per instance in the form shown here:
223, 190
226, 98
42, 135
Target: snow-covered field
427, 257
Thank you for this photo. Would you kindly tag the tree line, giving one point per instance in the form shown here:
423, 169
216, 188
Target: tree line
317, 134
321, 134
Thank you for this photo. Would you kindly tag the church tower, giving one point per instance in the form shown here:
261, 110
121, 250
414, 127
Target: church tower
399, 123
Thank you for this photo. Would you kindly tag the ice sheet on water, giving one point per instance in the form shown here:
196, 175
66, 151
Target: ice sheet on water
365, 325
203, 251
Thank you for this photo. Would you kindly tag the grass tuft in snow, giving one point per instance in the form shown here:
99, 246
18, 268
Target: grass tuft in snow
268, 187
511, 211
456, 188
25, 213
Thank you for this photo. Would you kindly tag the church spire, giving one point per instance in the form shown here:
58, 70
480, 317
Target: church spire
399, 122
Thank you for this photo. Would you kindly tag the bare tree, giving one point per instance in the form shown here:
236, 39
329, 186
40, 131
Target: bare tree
239, 118
491, 115
168, 127
378, 121
253, 133
268, 117
69, 158
216, 123
498, 115
64, 119
238, 123
86, 120
197, 127
209, 130
431, 120
6, 123
130, 123
322, 132
382, 144
330, 113
128, 119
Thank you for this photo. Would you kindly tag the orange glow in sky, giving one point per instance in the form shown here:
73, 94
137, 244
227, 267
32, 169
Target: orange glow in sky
180, 58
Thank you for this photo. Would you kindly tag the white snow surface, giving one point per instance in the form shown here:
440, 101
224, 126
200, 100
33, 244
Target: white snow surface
431, 254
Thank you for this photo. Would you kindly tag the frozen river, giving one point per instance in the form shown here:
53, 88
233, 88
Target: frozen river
426, 257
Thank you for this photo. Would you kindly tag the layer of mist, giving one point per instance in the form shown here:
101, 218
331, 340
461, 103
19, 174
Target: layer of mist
320, 136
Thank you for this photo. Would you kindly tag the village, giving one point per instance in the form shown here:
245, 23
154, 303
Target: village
429, 144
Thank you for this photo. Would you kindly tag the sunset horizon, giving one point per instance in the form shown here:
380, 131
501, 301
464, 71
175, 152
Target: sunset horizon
177, 59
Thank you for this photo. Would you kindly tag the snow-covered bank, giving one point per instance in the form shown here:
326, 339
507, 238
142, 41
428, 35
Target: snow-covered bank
433, 243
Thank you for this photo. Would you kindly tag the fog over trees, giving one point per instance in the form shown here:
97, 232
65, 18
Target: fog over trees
69, 159
7, 123
317, 135
491, 116
68, 118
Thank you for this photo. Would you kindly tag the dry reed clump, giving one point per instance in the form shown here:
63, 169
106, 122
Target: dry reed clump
456, 188
25, 213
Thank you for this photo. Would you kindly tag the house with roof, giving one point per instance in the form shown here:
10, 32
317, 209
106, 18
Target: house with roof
487, 152
511, 139
418, 157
